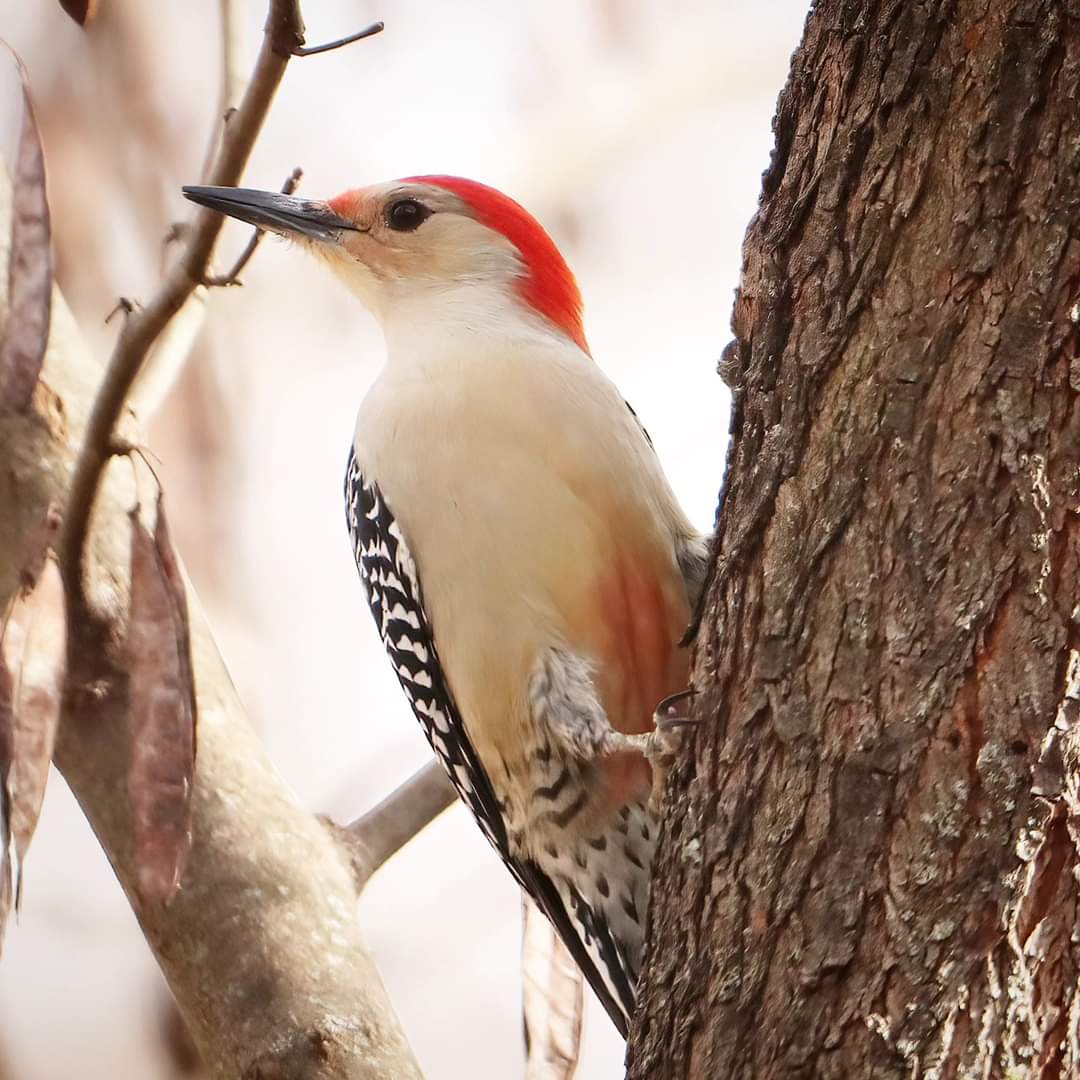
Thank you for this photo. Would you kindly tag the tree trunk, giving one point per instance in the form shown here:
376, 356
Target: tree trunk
869, 863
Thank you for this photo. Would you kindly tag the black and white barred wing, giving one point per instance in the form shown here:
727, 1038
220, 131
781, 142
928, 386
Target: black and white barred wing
396, 599
393, 590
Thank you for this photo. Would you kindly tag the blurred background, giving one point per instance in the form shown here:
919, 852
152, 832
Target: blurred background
636, 131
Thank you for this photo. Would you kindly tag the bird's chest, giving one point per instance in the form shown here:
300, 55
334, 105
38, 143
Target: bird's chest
506, 547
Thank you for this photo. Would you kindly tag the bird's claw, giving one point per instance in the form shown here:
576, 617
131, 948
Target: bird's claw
661, 745
674, 710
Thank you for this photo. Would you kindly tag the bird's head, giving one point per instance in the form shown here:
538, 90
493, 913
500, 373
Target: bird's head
425, 247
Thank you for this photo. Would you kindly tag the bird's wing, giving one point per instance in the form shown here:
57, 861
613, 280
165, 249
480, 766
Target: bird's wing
393, 590
396, 599
587, 938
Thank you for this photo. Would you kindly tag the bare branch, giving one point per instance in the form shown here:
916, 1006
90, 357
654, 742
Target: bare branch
167, 357
234, 61
234, 72
125, 305
388, 827
261, 946
142, 327
282, 38
233, 276
368, 31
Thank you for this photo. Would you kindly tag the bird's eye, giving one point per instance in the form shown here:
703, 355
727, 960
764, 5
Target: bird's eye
405, 215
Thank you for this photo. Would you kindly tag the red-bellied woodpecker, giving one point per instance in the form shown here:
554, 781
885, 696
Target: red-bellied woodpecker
529, 569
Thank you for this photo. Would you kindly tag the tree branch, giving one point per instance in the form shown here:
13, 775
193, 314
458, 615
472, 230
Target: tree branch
283, 36
868, 863
234, 69
313, 50
233, 57
232, 276
261, 946
388, 827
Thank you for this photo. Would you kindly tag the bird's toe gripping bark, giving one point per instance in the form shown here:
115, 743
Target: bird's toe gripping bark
661, 745
673, 713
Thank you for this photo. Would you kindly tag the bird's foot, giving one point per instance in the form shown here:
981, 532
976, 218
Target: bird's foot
661, 745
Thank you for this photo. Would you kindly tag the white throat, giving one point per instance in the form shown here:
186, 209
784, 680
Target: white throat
436, 319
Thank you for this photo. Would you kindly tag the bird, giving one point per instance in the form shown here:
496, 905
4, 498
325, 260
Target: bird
528, 566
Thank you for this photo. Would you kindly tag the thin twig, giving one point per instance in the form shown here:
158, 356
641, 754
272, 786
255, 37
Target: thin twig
233, 276
234, 55
282, 37
234, 69
128, 307
368, 31
388, 827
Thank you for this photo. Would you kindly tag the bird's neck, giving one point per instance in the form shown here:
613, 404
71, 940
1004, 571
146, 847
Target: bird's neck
457, 318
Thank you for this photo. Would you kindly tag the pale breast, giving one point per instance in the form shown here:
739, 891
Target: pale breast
537, 514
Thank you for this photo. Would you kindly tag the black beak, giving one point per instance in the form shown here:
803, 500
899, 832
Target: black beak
273, 211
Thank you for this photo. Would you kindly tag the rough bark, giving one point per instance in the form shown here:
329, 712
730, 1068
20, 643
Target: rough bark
261, 947
869, 865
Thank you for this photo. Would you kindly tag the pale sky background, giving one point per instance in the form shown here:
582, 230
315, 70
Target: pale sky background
637, 132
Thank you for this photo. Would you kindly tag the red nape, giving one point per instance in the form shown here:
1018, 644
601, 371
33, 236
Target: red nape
549, 286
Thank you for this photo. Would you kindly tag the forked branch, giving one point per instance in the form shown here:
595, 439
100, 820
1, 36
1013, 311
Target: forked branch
232, 276
283, 38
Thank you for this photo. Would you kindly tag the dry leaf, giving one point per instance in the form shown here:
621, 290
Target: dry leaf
30, 274
7, 744
552, 999
175, 580
38, 626
82, 11
162, 714
32, 658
